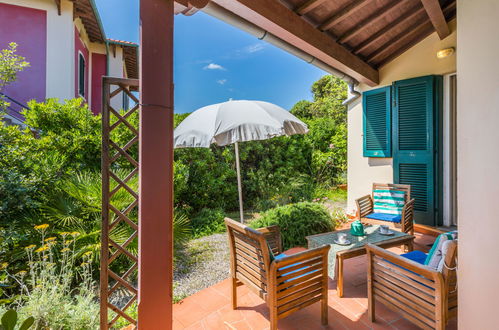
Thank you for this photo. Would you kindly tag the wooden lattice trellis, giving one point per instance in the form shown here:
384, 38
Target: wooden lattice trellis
119, 261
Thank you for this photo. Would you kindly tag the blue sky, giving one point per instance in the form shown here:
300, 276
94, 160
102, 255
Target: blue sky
215, 61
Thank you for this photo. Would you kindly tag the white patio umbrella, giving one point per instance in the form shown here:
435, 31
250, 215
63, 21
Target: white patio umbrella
233, 122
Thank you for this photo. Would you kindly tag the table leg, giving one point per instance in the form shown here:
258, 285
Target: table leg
339, 276
409, 246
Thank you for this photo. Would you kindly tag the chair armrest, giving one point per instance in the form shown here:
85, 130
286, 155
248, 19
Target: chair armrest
273, 236
364, 206
407, 220
402, 265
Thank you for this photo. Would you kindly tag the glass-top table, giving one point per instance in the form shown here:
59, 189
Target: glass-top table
339, 253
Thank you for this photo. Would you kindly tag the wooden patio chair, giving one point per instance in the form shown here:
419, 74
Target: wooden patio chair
423, 295
404, 222
286, 283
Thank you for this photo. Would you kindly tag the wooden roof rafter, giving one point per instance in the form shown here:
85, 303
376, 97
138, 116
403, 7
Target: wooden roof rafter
403, 41
342, 14
370, 20
437, 17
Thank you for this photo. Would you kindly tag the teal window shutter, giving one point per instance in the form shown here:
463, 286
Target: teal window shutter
377, 122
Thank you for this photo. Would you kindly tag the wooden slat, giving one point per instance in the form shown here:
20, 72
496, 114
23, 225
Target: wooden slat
294, 267
401, 282
385, 292
297, 281
296, 274
437, 18
380, 264
409, 15
343, 13
428, 302
408, 316
298, 301
297, 287
297, 308
370, 20
317, 289
309, 6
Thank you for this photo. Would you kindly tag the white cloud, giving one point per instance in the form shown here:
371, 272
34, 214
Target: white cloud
254, 48
222, 81
214, 66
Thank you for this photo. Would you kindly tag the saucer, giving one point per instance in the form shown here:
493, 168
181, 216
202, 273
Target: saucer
388, 233
347, 242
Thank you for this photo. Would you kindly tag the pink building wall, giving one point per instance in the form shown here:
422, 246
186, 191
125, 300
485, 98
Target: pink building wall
98, 70
28, 28
81, 48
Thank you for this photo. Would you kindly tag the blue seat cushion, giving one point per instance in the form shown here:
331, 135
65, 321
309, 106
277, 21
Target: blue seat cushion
385, 217
417, 256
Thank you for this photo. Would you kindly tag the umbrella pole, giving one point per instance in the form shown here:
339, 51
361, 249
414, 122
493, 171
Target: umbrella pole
239, 186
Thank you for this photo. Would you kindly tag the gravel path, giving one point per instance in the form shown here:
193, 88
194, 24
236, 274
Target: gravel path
203, 262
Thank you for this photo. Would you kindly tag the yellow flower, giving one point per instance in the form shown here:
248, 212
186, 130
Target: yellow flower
65, 250
65, 233
41, 249
83, 264
50, 239
3, 265
30, 247
42, 227
88, 253
75, 233
68, 242
21, 273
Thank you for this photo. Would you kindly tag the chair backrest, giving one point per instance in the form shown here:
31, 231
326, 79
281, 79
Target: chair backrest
392, 186
250, 256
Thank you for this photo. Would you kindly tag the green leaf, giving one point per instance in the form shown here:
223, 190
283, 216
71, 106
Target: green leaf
27, 323
9, 319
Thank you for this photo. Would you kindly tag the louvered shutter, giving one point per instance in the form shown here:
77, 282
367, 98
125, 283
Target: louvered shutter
415, 142
377, 122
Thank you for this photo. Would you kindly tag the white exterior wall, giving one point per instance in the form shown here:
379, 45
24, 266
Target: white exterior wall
116, 70
60, 46
477, 163
418, 61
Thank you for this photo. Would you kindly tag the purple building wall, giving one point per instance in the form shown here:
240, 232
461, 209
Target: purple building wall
28, 28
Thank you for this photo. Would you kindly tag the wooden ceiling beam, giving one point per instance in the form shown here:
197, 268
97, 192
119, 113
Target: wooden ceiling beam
437, 17
408, 36
309, 6
343, 13
371, 19
280, 21
411, 13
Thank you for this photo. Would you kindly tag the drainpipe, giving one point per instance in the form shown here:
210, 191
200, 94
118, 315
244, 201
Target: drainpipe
107, 58
353, 93
234, 20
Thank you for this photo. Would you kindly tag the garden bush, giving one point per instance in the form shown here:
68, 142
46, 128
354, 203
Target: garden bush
296, 221
207, 222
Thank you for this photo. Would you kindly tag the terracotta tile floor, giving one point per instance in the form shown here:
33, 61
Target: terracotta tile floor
210, 308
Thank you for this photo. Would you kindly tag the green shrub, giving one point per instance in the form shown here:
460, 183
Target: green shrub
207, 222
297, 221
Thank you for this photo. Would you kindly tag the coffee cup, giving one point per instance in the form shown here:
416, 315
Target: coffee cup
342, 237
384, 229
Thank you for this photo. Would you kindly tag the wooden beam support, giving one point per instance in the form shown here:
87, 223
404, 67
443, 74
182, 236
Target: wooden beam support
412, 13
58, 4
309, 6
371, 19
437, 17
343, 13
280, 21
155, 304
